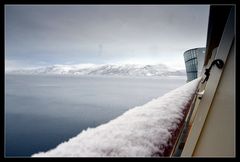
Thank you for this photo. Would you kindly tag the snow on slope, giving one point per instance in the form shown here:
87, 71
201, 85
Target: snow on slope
142, 131
106, 69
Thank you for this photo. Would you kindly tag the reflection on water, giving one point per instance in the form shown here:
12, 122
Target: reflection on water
43, 111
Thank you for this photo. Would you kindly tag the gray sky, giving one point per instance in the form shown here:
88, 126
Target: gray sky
40, 35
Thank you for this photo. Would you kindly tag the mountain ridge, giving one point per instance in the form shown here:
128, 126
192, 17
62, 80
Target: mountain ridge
105, 69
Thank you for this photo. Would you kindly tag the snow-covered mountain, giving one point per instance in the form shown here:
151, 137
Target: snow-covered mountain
106, 69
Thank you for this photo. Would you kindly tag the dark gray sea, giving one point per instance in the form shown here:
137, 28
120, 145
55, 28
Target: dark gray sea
42, 111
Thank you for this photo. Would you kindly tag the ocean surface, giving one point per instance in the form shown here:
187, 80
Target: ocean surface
42, 111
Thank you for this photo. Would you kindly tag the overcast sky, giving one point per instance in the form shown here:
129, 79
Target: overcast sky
41, 35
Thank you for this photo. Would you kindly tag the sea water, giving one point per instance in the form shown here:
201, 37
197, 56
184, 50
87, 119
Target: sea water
42, 111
